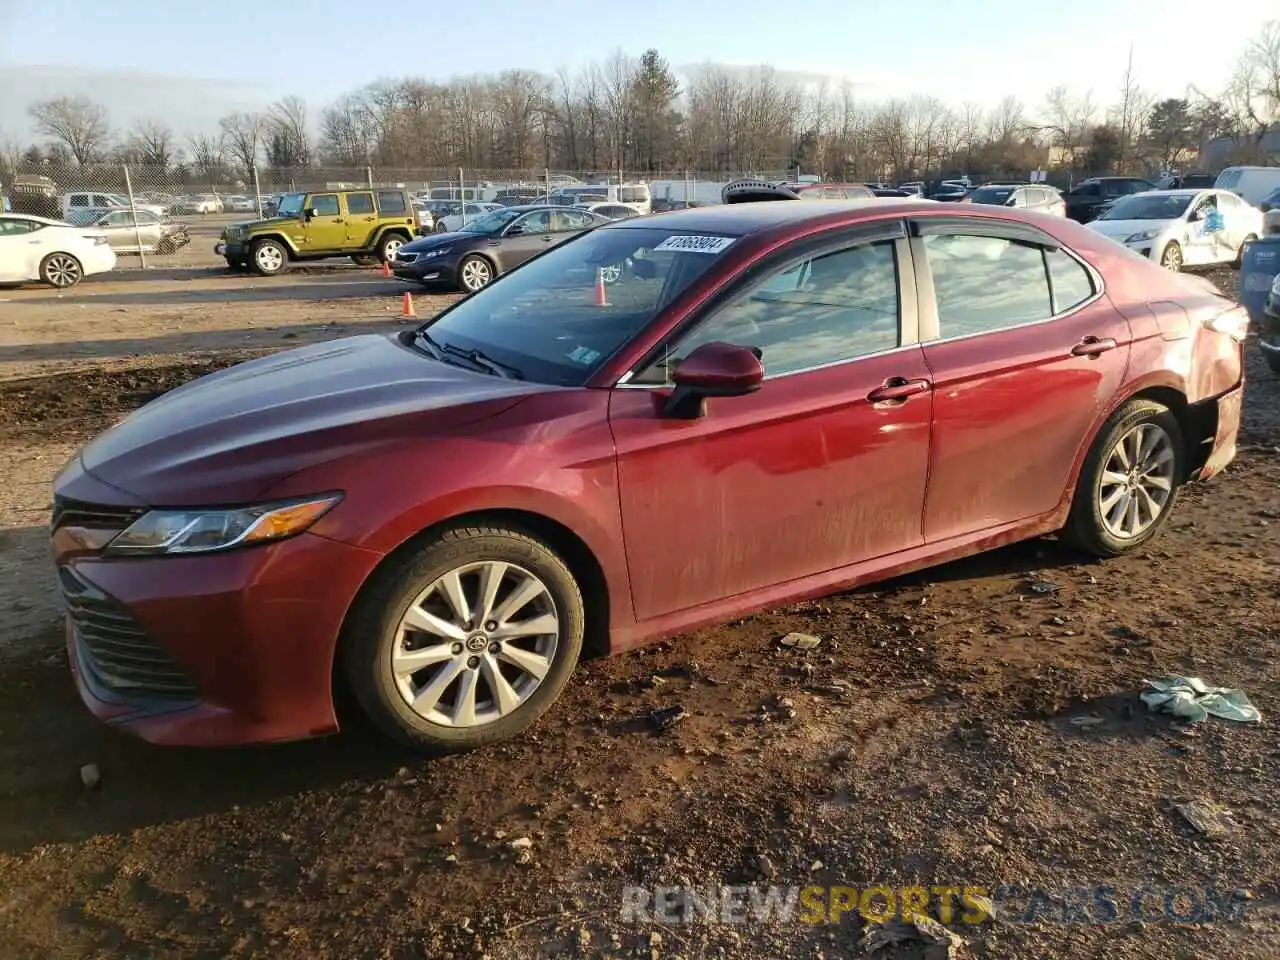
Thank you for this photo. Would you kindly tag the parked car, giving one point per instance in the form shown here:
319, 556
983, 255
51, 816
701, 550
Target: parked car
149, 234
1174, 227
425, 218
1251, 184
1269, 334
949, 191
1036, 197
750, 190
778, 400
489, 246
1186, 181
892, 192
239, 204
610, 211
1270, 202
1086, 198
50, 251
88, 200
456, 219
201, 203
366, 225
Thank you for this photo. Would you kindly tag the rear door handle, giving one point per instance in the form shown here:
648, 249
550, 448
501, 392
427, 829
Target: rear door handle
1092, 346
897, 388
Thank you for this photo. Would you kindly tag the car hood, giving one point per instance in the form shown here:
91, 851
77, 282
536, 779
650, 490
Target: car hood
1119, 229
227, 437
444, 240
265, 222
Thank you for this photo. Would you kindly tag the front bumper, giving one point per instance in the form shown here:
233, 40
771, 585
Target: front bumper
213, 650
231, 249
431, 271
1230, 405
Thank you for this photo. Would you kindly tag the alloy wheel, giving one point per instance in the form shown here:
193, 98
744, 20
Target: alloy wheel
1137, 481
1172, 258
391, 247
269, 258
62, 270
476, 644
475, 274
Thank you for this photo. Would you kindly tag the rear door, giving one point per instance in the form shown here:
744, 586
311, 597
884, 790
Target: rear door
1025, 352
361, 218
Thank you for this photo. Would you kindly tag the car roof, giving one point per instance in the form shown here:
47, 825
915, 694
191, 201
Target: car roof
10, 215
1188, 194
741, 219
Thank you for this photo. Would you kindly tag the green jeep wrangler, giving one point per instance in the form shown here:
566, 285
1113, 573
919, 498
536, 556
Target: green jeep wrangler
368, 225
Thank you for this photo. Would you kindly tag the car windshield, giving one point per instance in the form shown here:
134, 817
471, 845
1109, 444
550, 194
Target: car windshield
563, 314
991, 194
291, 205
1168, 206
491, 224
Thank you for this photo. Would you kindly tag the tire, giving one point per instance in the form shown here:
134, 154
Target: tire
1092, 525
389, 245
474, 273
61, 270
375, 633
1238, 262
268, 258
1171, 258
365, 259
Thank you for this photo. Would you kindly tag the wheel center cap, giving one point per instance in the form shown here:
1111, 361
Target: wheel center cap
477, 642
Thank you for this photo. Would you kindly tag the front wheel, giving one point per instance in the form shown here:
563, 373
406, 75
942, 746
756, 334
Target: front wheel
1130, 479
268, 258
1171, 259
473, 273
61, 270
466, 640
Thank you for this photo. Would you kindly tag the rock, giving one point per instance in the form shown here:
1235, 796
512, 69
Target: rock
521, 843
667, 717
801, 641
90, 776
584, 937
1210, 819
524, 858
765, 867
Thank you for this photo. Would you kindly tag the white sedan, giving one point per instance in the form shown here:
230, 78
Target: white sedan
56, 253
453, 221
1178, 228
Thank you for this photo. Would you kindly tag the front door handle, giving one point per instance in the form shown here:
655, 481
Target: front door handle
897, 388
1092, 346
547, 239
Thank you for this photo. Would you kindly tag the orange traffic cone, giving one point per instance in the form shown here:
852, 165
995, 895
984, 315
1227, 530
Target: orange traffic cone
406, 311
602, 298
386, 268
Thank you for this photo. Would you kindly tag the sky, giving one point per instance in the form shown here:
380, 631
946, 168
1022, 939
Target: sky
192, 61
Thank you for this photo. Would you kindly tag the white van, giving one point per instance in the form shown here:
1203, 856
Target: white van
1252, 184
633, 195
88, 200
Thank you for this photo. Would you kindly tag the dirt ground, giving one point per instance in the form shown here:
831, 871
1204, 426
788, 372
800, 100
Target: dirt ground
975, 725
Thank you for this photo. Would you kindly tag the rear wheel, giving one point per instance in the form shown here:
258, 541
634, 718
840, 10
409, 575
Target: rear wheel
1129, 483
466, 640
1171, 259
61, 270
391, 243
365, 259
1238, 262
268, 258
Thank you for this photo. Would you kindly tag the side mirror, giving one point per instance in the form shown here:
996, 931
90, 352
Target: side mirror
514, 230
713, 370
308, 213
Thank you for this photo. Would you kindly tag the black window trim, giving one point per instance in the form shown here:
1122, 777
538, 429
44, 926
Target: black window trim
930, 327
789, 254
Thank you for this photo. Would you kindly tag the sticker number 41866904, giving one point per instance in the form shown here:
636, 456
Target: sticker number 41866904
688, 244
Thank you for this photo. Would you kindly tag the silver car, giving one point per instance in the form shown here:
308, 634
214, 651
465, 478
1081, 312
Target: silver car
1038, 197
150, 234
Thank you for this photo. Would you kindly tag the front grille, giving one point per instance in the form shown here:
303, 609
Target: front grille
115, 649
403, 257
91, 516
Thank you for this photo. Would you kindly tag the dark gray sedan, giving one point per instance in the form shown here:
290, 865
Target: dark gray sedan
489, 246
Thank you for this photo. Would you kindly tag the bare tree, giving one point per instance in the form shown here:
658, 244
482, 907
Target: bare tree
1254, 90
77, 123
242, 134
1067, 120
1129, 116
345, 133
288, 140
1007, 121
208, 156
151, 143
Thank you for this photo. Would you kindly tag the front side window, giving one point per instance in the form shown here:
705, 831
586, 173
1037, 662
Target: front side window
822, 310
538, 222
983, 284
325, 205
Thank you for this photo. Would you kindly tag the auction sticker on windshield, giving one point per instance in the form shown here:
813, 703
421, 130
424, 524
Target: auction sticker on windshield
688, 244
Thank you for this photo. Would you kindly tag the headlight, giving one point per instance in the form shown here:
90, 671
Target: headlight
426, 254
1144, 235
203, 531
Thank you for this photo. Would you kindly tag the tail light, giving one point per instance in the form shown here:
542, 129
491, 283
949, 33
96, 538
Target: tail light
1234, 323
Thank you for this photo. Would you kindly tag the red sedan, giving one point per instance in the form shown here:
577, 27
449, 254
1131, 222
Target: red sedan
662, 423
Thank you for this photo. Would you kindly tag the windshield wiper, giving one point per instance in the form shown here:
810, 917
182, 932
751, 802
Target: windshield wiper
485, 363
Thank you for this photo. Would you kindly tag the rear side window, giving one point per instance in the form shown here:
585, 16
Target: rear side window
359, 203
1071, 282
983, 284
391, 202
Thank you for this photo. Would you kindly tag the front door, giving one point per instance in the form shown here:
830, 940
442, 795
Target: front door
1024, 357
526, 237
819, 469
324, 226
